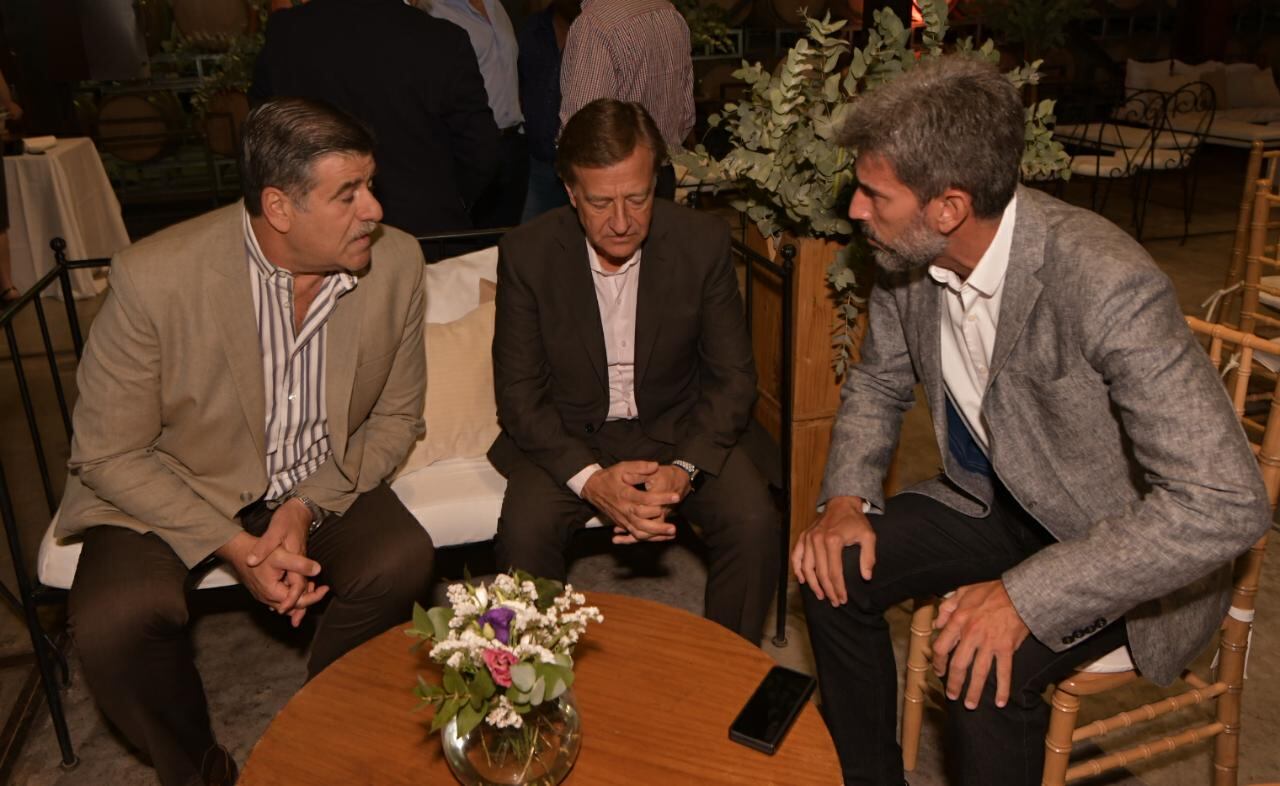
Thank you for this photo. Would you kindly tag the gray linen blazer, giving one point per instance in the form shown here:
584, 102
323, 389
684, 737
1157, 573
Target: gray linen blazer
1106, 422
170, 424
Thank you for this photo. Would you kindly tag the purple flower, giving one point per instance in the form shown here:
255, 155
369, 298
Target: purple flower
499, 620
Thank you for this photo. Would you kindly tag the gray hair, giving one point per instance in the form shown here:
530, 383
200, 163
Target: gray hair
282, 138
949, 122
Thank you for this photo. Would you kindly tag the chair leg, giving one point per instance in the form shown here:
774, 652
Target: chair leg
916, 677
1233, 650
1057, 742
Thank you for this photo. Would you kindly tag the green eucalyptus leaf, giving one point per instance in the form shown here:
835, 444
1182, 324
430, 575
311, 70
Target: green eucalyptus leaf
523, 676
469, 717
454, 684
445, 713
439, 618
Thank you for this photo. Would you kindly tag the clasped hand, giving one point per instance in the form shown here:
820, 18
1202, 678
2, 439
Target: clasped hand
637, 496
275, 567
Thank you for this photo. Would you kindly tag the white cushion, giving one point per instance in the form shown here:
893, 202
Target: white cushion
457, 501
452, 286
57, 559
1180, 67
1239, 86
1139, 75
1268, 299
1100, 166
1114, 662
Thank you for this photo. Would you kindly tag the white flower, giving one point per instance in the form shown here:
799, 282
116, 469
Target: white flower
482, 596
503, 715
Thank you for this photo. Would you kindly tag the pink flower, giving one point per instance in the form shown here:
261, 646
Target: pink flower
499, 663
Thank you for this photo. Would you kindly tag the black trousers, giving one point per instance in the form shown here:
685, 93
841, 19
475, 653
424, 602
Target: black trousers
924, 548
733, 511
128, 618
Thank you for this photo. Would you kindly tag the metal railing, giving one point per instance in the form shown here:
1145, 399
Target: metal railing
30, 593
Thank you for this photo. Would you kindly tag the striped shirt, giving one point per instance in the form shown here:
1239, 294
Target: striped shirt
631, 50
293, 368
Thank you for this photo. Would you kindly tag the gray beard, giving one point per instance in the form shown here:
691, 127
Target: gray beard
916, 247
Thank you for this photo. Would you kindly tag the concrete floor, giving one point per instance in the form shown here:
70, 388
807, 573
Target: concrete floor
251, 665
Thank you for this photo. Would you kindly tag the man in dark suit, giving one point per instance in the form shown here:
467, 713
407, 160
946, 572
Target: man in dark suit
623, 372
414, 79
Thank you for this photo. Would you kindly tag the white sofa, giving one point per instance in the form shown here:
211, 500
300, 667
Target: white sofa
450, 488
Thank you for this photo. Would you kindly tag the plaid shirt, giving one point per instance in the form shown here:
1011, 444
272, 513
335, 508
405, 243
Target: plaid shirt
631, 50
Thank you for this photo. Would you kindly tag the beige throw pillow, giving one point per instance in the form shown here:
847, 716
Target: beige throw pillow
461, 414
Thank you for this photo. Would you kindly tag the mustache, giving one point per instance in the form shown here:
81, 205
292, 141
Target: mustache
366, 228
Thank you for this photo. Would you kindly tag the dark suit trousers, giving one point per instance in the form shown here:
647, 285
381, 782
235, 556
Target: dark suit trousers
733, 512
128, 617
924, 548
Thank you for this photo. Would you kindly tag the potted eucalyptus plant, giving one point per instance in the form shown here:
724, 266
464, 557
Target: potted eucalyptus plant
790, 177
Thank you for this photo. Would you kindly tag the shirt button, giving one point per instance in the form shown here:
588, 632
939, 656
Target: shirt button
971, 318
292, 396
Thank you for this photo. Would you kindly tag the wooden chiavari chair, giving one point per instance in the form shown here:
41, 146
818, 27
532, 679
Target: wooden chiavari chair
1236, 354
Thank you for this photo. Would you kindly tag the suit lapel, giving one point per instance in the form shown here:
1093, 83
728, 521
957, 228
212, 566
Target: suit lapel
651, 298
228, 289
928, 325
1021, 285
342, 344
581, 295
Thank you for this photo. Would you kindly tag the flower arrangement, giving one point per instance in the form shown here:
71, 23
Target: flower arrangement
506, 651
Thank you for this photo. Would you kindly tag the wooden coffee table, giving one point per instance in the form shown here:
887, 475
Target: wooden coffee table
657, 689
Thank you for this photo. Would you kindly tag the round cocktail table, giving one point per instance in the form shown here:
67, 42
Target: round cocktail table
657, 688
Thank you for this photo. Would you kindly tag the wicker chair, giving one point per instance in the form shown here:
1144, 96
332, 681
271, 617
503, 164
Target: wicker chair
1228, 350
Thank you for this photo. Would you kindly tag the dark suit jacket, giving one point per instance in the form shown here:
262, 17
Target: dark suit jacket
413, 79
695, 379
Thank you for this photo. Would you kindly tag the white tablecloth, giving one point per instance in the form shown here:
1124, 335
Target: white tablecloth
62, 193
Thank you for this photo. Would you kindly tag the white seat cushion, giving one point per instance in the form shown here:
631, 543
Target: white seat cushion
457, 501
452, 286
57, 559
1100, 166
1114, 662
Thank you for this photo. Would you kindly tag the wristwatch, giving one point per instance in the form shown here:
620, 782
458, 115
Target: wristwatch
695, 474
317, 513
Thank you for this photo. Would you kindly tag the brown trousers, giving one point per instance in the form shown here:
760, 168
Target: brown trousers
128, 617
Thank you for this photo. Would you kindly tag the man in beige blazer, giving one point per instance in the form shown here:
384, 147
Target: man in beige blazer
253, 378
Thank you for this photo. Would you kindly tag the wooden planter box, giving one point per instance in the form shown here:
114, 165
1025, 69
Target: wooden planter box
815, 393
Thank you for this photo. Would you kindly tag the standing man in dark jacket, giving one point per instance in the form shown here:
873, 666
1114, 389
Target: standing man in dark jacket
413, 79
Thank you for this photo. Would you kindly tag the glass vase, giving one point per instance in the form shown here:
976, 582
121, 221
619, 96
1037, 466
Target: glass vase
539, 753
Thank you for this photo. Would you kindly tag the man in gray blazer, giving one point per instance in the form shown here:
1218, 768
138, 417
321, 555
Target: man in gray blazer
1096, 482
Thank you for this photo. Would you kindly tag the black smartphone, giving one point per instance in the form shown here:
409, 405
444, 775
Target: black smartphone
769, 713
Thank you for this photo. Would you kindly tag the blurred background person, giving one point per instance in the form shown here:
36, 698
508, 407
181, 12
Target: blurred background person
494, 42
541, 45
632, 50
413, 79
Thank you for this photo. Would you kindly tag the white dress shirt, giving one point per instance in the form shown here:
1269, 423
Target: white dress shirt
969, 329
616, 296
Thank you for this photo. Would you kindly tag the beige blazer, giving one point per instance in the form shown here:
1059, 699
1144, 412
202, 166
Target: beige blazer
169, 426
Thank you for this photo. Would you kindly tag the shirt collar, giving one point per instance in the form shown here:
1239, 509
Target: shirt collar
268, 270
988, 274
594, 260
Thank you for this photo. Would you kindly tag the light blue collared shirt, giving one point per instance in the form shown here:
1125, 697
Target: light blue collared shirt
495, 43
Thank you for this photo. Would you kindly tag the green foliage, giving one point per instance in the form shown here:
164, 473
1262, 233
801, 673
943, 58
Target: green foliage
1039, 25
708, 26
785, 163
234, 72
